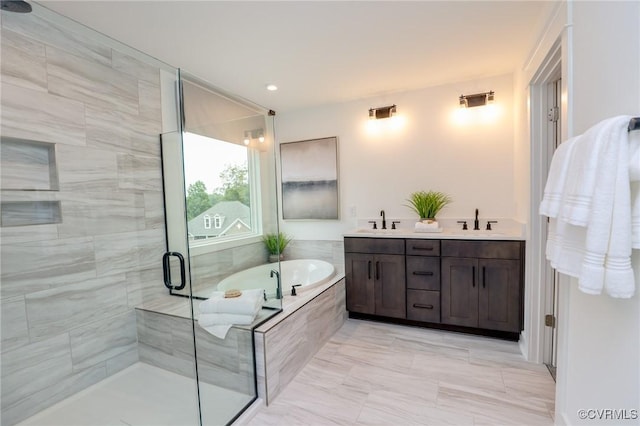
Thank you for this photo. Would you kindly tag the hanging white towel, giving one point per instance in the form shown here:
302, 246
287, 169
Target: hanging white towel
586, 164
608, 230
590, 231
553, 190
634, 177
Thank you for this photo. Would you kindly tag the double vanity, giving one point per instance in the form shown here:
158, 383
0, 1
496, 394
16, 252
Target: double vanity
470, 281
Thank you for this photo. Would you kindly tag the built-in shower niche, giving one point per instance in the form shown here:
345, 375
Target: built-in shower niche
24, 213
26, 168
28, 165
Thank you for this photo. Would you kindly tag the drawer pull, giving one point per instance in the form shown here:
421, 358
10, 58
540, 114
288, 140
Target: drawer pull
423, 248
423, 273
421, 306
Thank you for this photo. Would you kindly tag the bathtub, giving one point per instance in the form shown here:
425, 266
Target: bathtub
309, 273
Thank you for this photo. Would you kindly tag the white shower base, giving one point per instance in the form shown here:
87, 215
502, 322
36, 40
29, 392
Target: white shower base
142, 395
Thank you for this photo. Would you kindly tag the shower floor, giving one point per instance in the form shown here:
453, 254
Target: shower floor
143, 395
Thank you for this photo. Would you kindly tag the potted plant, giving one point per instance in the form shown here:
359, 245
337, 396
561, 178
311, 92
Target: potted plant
276, 244
428, 204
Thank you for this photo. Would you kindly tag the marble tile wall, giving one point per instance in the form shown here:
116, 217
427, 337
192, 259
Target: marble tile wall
283, 350
69, 289
166, 341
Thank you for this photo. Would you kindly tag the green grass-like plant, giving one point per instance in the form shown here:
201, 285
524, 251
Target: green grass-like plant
428, 204
276, 243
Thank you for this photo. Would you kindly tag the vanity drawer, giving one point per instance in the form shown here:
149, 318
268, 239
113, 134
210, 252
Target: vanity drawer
423, 305
423, 273
482, 249
374, 245
423, 247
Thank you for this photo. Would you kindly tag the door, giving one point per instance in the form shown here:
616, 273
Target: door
216, 213
459, 293
360, 283
390, 288
550, 275
499, 294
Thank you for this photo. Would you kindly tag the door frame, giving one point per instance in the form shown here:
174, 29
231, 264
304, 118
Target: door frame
550, 70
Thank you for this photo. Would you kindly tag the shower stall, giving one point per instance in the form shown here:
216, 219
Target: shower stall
93, 330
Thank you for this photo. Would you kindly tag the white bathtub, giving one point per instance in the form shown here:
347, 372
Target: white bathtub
309, 273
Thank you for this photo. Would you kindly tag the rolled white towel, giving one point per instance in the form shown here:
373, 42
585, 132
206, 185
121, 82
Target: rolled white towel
248, 303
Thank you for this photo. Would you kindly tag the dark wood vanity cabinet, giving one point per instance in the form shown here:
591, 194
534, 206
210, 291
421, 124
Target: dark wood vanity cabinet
466, 285
482, 284
375, 276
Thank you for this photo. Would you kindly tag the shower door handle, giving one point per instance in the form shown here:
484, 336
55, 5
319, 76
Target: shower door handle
166, 270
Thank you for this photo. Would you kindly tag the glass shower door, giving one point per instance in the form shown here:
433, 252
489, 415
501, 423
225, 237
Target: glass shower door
219, 175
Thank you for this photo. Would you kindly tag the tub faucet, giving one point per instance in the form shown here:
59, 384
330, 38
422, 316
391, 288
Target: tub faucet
278, 287
384, 219
476, 223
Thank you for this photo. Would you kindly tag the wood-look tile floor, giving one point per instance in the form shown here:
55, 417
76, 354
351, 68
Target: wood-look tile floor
373, 373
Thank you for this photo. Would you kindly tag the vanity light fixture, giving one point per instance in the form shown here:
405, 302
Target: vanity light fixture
477, 99
382, 112
250, 135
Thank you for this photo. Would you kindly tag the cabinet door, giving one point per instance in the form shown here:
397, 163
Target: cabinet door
360, 283
459, 293
390, 289
499, 294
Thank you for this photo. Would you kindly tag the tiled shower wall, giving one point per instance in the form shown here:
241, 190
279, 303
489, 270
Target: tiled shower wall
68, 289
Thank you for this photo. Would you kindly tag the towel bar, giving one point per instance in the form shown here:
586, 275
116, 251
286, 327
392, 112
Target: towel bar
634, 124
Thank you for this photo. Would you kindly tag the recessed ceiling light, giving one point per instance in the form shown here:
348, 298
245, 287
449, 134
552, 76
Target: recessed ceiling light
272, 87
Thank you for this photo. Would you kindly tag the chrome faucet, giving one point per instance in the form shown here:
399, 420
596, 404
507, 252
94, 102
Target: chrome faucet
384, 219
476, 223
278, 287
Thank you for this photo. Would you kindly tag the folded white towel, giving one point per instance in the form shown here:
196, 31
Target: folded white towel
219, 324
248, 303
553, 191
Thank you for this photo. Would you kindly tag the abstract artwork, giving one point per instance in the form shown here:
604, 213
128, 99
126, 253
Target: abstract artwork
310, 179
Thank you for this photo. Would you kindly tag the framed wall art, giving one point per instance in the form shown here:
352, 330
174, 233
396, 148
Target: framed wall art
309, 172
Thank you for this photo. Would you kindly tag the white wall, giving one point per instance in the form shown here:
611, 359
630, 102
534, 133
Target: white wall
599, 365
473, 162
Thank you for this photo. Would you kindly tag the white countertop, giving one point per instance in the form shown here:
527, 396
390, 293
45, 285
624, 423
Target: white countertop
505, 229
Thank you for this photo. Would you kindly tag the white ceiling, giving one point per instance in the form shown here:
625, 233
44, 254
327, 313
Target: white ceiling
321, 52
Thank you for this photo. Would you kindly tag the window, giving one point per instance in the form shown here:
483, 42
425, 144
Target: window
221, 182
